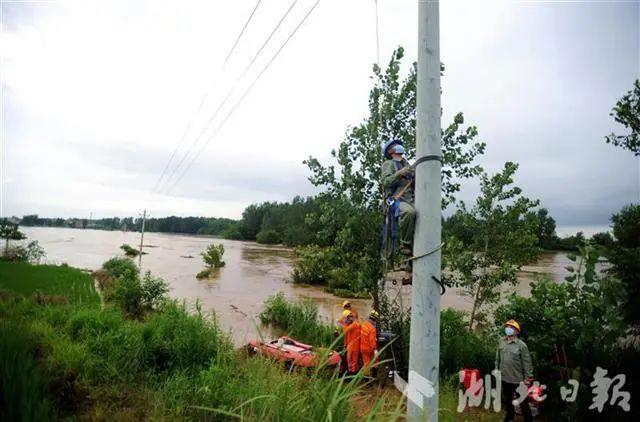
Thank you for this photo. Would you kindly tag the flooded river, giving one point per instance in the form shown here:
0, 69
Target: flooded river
252, 273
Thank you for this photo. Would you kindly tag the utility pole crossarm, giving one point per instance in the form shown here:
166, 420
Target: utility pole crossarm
424, 348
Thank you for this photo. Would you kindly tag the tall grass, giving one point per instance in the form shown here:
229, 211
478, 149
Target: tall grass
27, 279
22, 391
298, 320
93, 363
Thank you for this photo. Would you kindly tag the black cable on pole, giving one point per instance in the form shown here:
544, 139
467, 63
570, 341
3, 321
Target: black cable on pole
231, 91
203, 100
244, 95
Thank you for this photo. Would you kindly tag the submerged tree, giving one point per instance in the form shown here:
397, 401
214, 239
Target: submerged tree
212, 256
504, 240
627, 113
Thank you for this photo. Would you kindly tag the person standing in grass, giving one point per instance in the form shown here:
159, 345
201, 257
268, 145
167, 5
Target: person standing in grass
369, 341
351, 329
513, 360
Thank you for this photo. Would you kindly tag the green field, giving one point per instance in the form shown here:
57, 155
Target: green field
26, 279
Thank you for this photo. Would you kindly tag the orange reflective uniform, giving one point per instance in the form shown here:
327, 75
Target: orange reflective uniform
352, 344
368, 343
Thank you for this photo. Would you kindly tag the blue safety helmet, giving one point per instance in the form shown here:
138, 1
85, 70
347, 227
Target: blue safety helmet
387, 146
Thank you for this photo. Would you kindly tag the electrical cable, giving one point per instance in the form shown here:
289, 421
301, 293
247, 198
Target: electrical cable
229, 94
203, 100
244, 95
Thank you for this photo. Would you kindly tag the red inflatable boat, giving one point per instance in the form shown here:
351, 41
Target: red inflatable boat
288, 350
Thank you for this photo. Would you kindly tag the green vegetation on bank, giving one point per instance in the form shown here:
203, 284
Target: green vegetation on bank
26, 279
78, 360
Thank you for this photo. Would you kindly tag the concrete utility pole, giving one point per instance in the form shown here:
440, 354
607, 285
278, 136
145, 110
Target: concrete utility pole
424, 349
144, 218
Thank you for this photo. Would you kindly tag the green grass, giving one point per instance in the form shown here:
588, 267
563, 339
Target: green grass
298, 320
70, 361
26, 279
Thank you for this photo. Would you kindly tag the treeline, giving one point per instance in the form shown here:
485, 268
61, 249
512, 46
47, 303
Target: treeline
277, 222
189, 225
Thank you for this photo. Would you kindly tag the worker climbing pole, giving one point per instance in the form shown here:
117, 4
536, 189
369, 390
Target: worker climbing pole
397, 178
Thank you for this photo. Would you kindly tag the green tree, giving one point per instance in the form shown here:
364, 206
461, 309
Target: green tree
547, 238
212, 256
627, 113
232, 232
624, 256
351, 201
602, 239
579, 319
9, 231
392, 115
504, 240
251, 222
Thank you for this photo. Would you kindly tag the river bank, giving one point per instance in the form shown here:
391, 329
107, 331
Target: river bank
253, 272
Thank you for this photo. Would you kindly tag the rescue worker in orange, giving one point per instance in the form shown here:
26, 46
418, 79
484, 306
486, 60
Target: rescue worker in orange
351, 329
347, 306
369, 341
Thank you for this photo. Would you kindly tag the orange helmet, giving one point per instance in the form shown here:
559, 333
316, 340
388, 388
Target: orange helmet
513, 323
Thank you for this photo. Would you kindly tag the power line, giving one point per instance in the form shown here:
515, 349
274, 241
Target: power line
226, 59
204, 99
244, 95
231, 91
182, 138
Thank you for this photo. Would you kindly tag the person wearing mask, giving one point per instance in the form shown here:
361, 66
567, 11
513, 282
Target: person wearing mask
513, 360
369, 341
351, 329
397, 178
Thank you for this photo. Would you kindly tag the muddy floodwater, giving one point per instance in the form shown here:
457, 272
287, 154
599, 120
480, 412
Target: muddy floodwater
252, 273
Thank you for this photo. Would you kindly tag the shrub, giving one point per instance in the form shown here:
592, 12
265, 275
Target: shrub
118, 267
461, 348
212, 256
580, 319
299, 320
136, 297
233, 233
602, 239
127, 294
129, 250
33, 253
624, 256
313, 265
175, 340
268, 237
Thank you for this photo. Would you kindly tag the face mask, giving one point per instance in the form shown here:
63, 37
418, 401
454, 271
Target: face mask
396, 157
509, 331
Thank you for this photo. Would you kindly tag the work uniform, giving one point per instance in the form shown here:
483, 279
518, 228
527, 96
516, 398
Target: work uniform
352, 344
394, 185
368, 343
513, 360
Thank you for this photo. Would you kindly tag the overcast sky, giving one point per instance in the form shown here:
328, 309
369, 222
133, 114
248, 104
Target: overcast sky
97, 94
